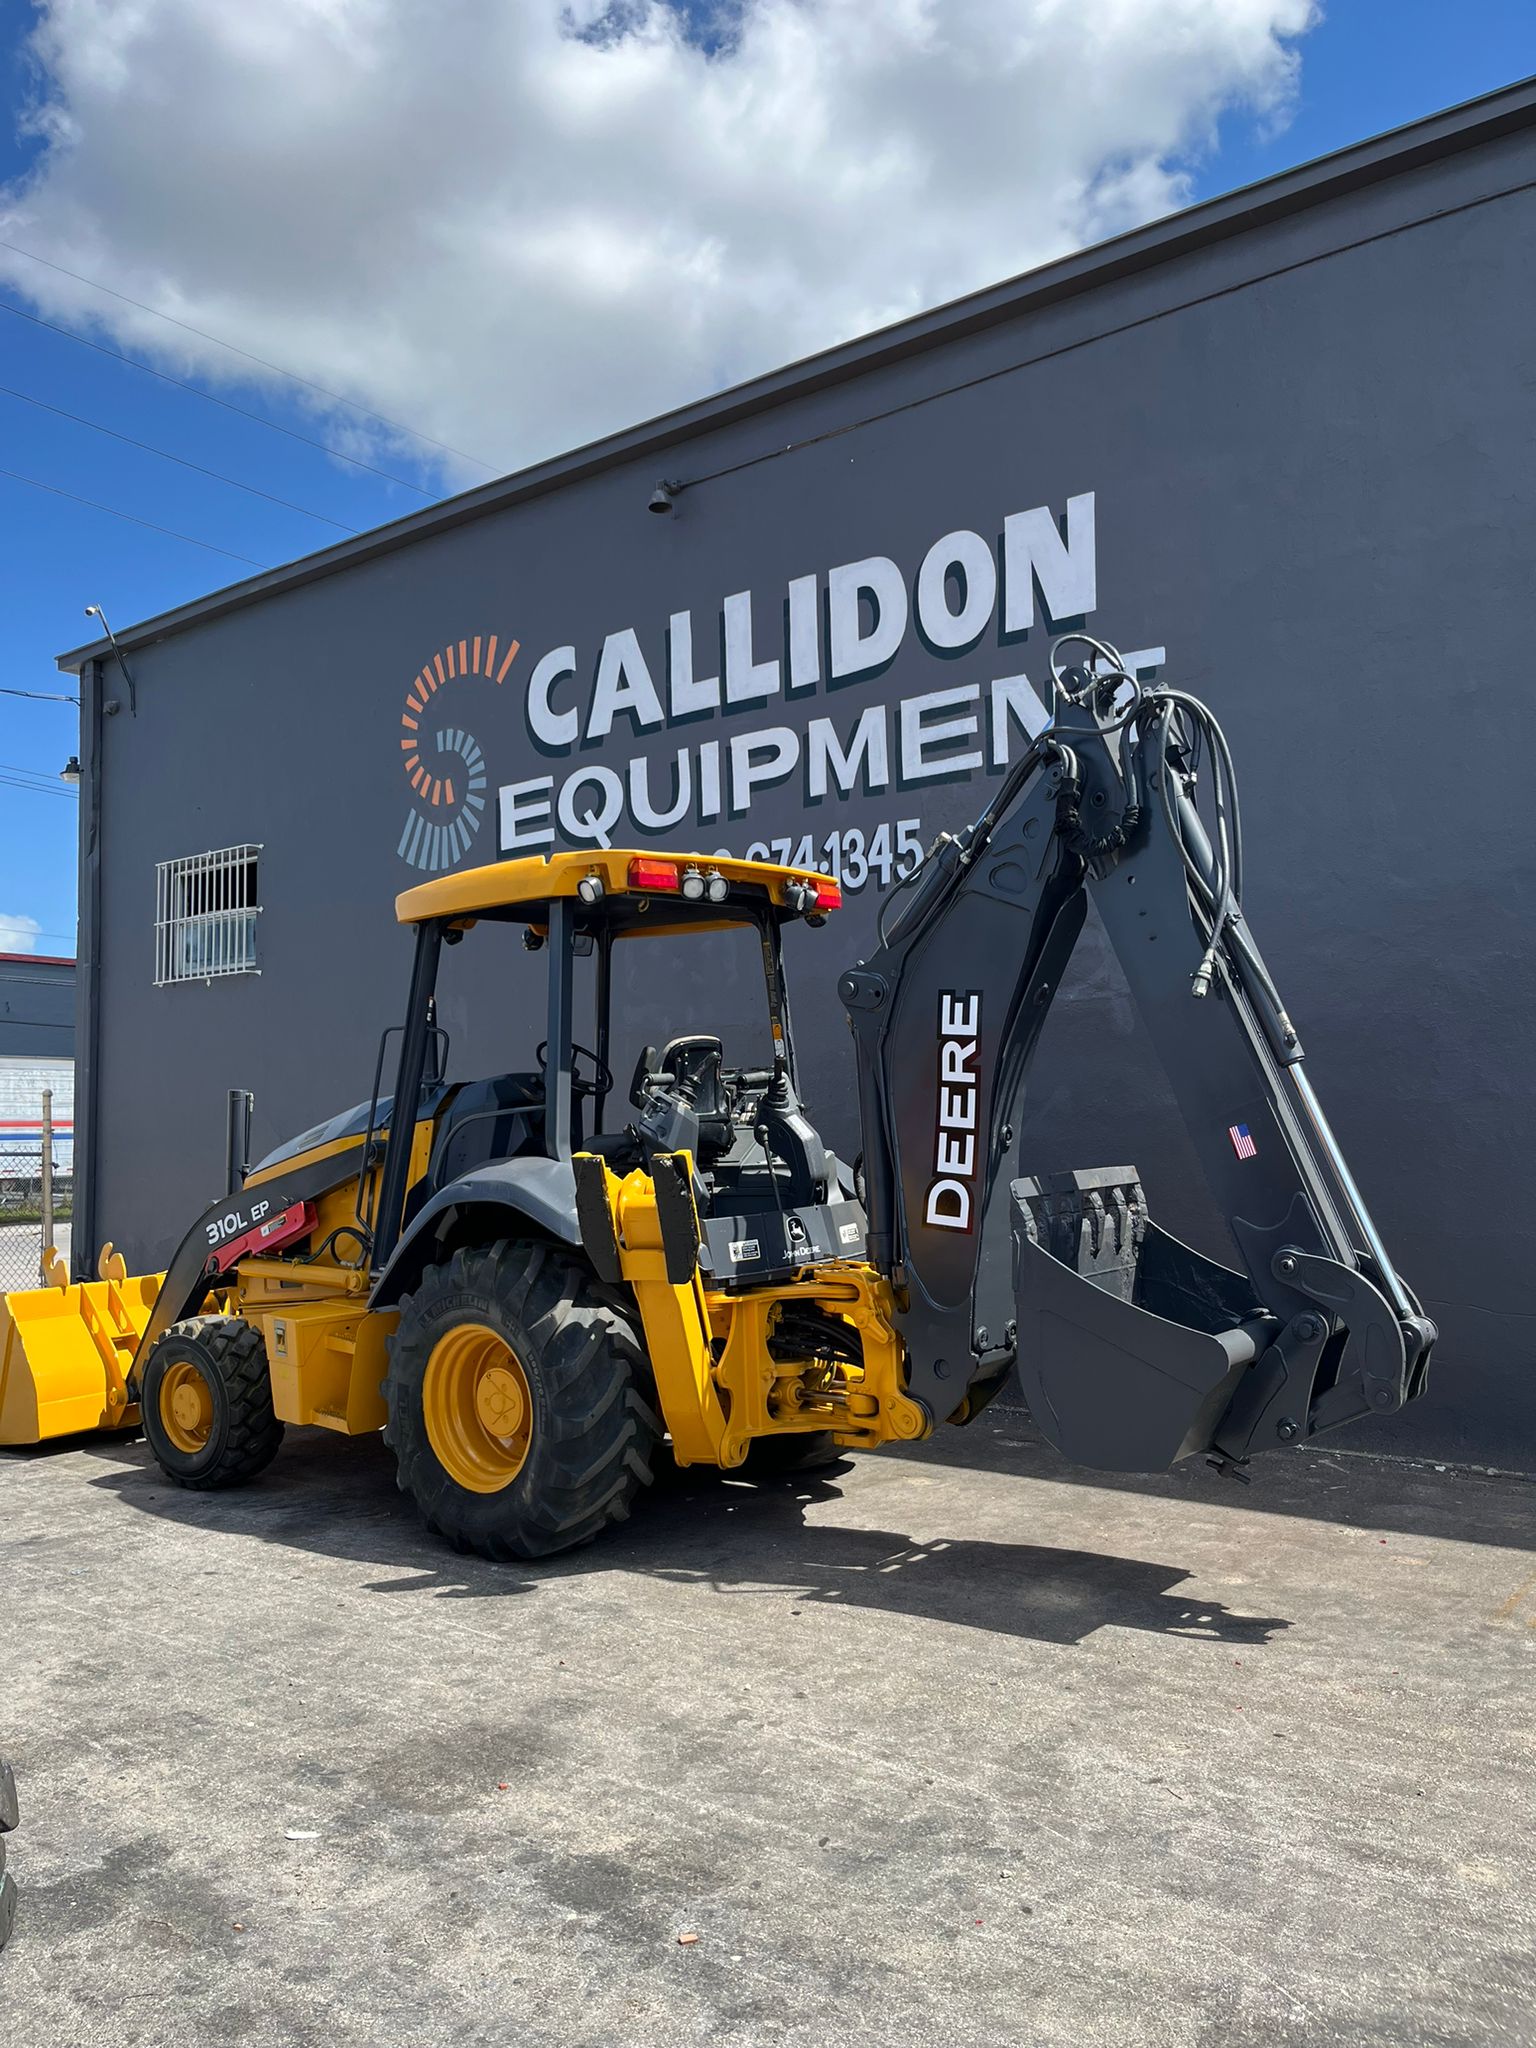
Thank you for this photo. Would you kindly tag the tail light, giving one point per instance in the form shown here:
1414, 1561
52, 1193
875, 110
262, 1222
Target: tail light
829, 894
653, 874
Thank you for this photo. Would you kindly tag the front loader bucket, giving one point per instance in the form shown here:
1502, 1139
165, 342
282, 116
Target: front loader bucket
65, 1352
1130, 1344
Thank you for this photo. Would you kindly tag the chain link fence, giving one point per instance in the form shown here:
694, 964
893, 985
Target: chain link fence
37, 1189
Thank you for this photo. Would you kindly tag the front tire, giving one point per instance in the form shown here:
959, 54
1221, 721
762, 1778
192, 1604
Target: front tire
205, 1403
517, 1398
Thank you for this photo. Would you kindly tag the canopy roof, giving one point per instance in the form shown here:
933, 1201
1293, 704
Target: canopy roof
525, 887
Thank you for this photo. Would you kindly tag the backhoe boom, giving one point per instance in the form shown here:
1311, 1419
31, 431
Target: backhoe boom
1132, 1349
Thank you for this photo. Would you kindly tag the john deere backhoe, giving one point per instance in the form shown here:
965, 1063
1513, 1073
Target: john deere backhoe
529, 1289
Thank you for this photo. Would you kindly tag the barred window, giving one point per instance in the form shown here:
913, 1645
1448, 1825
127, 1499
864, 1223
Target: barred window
206, 908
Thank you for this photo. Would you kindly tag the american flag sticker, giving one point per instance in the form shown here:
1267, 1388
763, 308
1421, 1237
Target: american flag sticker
1242, 1141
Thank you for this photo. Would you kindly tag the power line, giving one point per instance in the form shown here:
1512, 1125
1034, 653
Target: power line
277, 368
43, 696
133, 519
38, 788
34, 778
165, 377
1102, 335
166, 456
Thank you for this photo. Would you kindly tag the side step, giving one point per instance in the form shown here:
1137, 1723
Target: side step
1131, 1345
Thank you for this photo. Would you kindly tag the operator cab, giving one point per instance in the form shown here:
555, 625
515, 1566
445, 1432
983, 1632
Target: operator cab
770, 1195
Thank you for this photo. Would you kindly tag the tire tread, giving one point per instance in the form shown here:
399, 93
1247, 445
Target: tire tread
251, 1442
595, 1430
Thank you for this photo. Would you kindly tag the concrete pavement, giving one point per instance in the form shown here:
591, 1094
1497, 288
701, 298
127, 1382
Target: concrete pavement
954, 1747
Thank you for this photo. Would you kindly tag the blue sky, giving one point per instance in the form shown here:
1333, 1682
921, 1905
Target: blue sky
1370, 65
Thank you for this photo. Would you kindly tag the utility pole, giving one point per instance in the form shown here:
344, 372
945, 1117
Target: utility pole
45, 1249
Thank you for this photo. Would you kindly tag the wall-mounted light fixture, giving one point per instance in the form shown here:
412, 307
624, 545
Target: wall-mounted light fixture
94, 611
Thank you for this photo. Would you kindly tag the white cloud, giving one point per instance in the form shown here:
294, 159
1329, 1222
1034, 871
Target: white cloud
18, 933
519, 224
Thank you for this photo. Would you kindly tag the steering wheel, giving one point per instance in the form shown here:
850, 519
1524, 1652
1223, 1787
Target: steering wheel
602, 1074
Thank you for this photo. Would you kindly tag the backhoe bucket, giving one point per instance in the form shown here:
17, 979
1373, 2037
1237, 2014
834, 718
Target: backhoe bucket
65, 1351
1130, 1344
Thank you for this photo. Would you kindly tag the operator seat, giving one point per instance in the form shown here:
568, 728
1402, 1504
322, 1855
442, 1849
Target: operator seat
691, 1068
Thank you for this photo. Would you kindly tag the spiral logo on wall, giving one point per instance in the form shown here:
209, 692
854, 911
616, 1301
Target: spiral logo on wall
443, 763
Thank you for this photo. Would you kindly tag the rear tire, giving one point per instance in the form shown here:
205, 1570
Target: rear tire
518, 1402
205, 1403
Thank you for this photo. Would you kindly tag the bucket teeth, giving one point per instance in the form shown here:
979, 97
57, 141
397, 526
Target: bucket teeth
1130, 1344
1092, 1221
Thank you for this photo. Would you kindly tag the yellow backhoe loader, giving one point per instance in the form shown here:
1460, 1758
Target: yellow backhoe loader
529, 1291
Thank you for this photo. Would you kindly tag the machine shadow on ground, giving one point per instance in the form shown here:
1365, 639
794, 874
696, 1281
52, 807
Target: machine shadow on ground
743, 1539
1326, 1481
337, 1497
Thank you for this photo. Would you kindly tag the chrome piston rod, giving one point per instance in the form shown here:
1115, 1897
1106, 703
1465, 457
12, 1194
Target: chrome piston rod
1352, 1194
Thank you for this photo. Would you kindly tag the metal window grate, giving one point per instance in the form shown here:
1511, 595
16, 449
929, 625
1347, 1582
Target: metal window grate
205, 915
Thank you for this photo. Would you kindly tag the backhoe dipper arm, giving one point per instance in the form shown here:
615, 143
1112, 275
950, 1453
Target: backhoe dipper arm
1132, 1349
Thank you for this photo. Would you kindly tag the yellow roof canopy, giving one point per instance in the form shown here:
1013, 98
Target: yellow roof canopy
623, 871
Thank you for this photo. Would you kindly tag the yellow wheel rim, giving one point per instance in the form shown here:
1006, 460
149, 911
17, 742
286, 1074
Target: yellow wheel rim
478, 1408
186, 1407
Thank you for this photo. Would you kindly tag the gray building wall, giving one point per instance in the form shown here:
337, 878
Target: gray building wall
37, 1007
1304, 420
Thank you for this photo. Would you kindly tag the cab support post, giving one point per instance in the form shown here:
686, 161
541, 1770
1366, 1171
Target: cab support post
557, 1052
402, 1113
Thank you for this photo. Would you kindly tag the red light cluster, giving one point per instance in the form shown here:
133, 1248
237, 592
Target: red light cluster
645, 873
653, 874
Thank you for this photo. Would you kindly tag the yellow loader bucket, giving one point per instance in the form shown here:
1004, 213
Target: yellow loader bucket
65, 1351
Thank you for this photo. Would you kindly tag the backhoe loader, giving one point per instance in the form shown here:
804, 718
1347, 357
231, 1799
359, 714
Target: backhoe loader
531, 1292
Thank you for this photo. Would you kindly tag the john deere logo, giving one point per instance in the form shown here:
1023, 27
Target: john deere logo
443, 763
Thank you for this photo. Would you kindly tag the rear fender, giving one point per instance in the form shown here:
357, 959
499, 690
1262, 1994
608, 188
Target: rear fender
510, 1198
